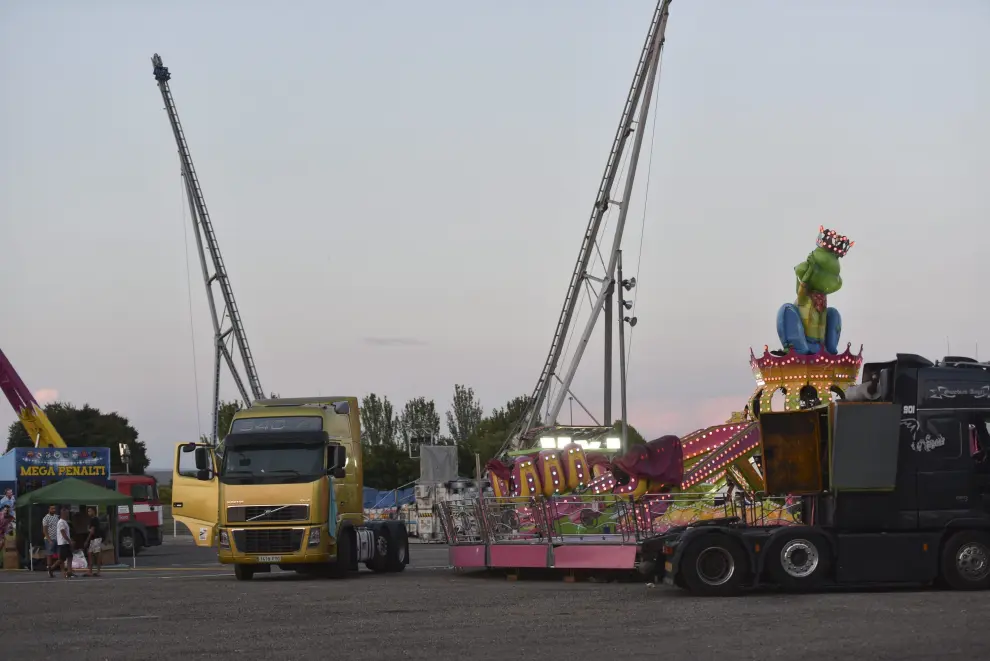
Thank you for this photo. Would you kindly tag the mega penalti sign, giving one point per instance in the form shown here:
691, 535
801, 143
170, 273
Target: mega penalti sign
56, 463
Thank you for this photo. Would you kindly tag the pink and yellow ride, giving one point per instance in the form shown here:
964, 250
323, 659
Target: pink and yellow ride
574, 501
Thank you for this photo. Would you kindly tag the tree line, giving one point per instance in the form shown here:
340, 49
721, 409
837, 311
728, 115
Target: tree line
387, 464
386, 432
88, 427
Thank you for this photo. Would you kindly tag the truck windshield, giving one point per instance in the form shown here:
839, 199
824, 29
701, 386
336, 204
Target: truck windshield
276, 463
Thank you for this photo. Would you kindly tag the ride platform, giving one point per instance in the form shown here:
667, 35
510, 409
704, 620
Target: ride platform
598, 533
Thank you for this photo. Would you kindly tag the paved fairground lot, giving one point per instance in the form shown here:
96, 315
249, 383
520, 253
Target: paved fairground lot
180, 604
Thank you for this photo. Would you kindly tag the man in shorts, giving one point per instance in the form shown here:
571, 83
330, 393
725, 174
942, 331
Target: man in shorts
49, 525
94, 543
64, 539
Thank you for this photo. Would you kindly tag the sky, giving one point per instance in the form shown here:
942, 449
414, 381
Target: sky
400, 190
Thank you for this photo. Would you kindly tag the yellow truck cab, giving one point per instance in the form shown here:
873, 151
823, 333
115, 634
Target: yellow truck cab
285, 488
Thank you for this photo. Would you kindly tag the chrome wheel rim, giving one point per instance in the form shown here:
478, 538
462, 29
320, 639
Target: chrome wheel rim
973, 561
715, 566
799, 558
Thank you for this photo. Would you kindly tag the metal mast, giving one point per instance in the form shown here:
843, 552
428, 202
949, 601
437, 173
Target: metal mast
226, 324
640, 92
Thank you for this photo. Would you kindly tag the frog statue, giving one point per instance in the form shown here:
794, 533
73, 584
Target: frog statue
808, 323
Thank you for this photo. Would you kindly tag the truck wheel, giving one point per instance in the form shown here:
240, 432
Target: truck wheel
383, 547
243, 572
398, 555
130, 542
345, 554
966, 560
714, 565
799, 559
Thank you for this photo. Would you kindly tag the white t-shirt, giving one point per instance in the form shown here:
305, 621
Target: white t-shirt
63, 532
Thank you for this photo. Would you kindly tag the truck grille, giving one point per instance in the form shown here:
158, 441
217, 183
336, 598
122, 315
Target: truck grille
268, 540
267, 513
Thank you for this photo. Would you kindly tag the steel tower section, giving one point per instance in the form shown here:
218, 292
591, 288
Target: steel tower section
638, 99
226, 324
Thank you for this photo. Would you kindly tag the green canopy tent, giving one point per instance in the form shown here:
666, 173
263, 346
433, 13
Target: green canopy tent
71, 491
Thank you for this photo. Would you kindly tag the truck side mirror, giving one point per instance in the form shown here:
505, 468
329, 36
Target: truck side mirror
204, 474
338, 461
202, 458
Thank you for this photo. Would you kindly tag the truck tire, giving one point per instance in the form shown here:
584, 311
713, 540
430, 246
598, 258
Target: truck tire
966, 560
798, 559
383, 547
398, 555
129, 542
714, 565
243, 572
345, 554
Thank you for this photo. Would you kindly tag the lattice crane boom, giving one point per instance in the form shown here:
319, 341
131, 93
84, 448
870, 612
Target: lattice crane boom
227, 323
642, 80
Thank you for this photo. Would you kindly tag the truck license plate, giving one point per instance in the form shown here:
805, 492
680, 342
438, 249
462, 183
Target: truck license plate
269, 558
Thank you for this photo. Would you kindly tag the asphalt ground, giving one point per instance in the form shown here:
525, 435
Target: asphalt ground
180, 603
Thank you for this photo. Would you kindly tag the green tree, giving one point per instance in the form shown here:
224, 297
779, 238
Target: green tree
419, 417
378, 421
632, 435
225, 417
89, 427
465, 414
388, 466
490, 435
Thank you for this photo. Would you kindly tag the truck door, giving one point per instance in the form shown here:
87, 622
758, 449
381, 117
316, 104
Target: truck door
979, 452
943, 469
195, 502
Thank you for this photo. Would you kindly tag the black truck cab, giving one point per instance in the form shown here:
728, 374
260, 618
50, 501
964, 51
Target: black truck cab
943, 473
895, 486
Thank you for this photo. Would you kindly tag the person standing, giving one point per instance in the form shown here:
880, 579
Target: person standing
64, 538
9, 499
49, 525
6, 524
94, 543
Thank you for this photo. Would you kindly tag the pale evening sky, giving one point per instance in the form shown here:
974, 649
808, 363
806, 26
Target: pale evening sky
425, 171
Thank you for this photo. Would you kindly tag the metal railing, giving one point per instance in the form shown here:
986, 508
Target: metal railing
601, 519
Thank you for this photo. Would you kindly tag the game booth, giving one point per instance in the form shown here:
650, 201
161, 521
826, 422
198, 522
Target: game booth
76, 478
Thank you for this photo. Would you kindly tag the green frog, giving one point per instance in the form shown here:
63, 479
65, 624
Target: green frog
808, 324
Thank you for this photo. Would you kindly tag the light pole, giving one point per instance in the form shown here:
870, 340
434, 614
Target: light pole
125, 456
625, 285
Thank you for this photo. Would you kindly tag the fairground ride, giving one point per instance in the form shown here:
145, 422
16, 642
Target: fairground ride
228, 328
39, 428
579, 497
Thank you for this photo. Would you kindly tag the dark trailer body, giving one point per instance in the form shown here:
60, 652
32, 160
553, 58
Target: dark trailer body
895, 486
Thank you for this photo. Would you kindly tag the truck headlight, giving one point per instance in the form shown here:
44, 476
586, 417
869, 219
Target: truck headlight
314, 537
224, 540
